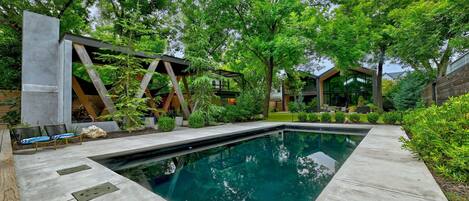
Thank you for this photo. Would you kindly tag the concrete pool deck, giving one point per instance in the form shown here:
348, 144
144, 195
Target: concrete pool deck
378, 169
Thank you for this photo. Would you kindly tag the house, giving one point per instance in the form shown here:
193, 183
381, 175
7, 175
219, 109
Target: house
335, 88
394, 75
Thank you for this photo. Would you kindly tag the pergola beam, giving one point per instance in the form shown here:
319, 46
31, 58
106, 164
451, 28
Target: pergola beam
177, 89
147, 78
83, 98
97, 82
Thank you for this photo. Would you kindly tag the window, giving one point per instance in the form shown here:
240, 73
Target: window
344, 90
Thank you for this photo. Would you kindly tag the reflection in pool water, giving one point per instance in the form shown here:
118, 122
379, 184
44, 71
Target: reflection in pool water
280, 166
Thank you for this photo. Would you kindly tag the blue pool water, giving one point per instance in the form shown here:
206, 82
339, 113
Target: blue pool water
283, 165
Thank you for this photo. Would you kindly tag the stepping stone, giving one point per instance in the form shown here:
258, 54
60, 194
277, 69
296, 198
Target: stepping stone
94, 192
73, 170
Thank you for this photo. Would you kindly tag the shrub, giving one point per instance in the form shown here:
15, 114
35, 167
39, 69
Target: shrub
354, 117
196, 120
391, 117
325, 117
372, 117
352, 108
231, 114
439, 135
339, 117
302, 117
361, 101
312, 105
373, 107
313, 117
166, 124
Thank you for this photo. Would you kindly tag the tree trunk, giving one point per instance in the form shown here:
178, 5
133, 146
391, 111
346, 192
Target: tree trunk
444, 62
379, 77
269, 74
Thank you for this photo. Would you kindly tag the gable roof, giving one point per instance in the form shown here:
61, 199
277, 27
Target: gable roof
395, 75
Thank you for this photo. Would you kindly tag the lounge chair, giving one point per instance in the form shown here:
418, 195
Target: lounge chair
30, 136
60, 133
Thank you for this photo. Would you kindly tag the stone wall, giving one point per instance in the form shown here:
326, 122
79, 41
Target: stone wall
454, 84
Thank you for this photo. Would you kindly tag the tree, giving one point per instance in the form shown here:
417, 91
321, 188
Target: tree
428, 33
360, 29
73, 17
263, 33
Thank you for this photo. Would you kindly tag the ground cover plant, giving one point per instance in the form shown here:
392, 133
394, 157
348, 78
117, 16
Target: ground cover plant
440, 136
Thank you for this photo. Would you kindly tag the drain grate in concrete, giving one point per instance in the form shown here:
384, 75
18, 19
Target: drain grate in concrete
94, 192
73, 169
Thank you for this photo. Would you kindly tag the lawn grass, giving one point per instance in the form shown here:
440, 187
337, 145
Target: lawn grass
289, 117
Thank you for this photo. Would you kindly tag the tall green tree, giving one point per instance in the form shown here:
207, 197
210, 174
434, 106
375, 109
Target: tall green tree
357, 30
429, 33
74, 18
264, 33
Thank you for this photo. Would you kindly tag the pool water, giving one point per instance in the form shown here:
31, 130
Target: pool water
284, 165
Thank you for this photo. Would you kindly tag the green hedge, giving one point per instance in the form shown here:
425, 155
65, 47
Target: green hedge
166, 124
372, 117
313, 117
339, 117
325, 117
354, 117
440, 136
196, 120
302, 117
392, 117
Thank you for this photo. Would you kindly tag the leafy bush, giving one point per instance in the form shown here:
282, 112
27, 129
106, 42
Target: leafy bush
166, 124
354, 117
313, 117
231, 114
325, 117
361, 101
440, 136
339, 117
197, 120
391, 117
372, 117
296, 106
352, 108
302, 117
372, 107
312, 105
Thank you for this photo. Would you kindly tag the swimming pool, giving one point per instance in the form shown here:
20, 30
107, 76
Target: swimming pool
275, 165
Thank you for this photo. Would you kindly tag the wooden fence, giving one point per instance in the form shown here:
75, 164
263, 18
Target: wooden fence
7, 99
454, 84
8, 185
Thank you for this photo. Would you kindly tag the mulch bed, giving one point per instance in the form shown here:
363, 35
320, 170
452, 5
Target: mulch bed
458, 188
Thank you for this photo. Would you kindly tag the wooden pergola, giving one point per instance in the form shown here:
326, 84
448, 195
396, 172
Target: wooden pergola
175, 68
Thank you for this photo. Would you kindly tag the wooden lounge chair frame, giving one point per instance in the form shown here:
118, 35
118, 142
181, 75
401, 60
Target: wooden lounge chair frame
29, 132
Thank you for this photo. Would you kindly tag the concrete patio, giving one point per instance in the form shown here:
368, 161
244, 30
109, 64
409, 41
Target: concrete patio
378, 169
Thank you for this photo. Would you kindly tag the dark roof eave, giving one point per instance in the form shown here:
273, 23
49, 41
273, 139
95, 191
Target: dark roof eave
87, 41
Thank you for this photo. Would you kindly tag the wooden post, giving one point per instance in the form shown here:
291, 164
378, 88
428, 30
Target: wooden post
151, 103
8, 185
177, 89
98, 84
146, 79
83, 98
186, 86
168, 100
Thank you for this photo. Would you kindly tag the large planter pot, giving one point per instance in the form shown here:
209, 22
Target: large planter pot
179, 121
363, 109
149, 122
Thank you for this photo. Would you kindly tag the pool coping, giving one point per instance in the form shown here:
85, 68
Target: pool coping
38, 180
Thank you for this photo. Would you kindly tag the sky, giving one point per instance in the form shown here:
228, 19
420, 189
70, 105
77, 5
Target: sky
387, 68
